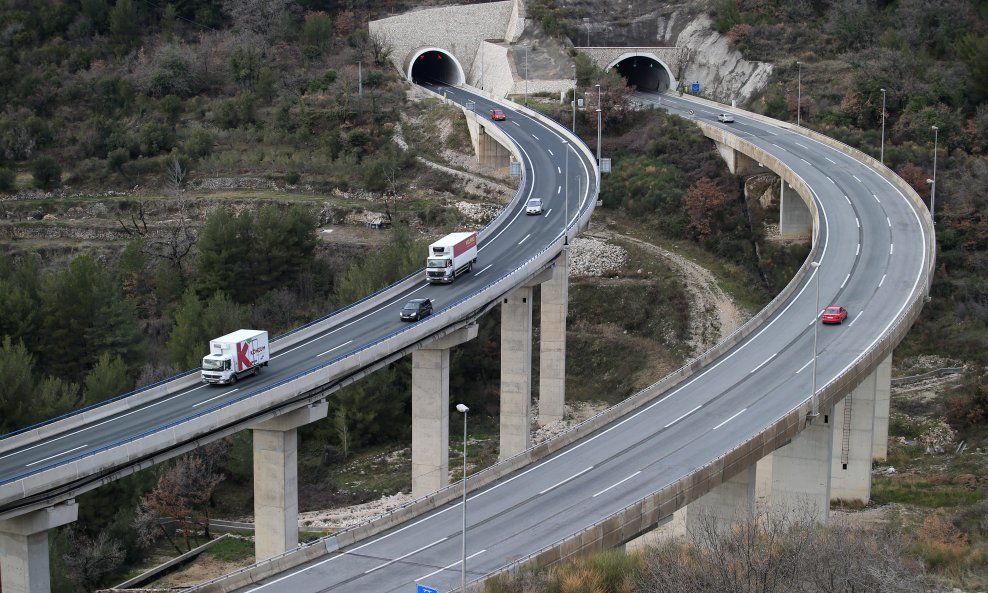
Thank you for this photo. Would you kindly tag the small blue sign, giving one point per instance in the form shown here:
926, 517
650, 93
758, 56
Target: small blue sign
695, 87
424, 589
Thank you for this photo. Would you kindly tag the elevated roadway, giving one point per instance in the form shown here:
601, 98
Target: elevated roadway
719, 414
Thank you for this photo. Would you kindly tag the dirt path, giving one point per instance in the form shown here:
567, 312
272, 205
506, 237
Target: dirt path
713, 313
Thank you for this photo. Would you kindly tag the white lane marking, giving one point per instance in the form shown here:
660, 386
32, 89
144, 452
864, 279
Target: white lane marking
888, 220
882, 281
536, 137
483, 270
616, 484
525, 239
388, 304
858, 179
805, 161
335, 348
107, 421
558, 170
876, 198
858, 220
830, 159
729, 419
516, 123
844, 283
559, 190
550, 152
856, 317
801, 145
447, 567
573, 477
857, 251
56, 455
217, 397
767, 360
683, 416
776, 145
831, 180
400, 558
808, 362
891, 248
547, 212
772, 133
297, 347
848, 199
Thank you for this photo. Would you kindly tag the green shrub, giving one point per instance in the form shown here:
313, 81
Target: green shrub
155, 138
8, 177
47, 173
199, 145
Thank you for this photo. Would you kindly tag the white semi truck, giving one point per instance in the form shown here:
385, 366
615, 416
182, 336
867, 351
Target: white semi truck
451, 256
235, 355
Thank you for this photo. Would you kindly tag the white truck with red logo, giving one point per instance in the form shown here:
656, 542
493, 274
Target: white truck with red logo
235, 355
451, 256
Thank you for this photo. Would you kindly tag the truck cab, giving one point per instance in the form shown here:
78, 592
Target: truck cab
234, 356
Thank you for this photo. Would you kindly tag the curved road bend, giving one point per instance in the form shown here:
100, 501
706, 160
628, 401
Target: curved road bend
873, 252
517, 239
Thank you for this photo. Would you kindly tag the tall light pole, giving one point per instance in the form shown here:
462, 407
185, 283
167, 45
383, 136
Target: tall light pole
574, 98
814, 409
933, 191
566, 193
360, 80
799, 90
882, 157
599, 122
461, 408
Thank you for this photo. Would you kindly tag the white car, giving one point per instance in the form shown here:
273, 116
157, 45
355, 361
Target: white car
726, 118
534, 206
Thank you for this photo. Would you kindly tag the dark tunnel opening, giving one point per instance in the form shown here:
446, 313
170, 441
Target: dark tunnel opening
436, 66
643, 73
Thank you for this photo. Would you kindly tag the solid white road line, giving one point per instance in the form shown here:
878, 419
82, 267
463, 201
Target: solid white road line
217, 397
400, 558
767, 360
483, 270
808, 363
56, 455
683, 416
525, 239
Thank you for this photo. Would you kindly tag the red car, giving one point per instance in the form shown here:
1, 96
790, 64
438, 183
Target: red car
498, 115
834, 314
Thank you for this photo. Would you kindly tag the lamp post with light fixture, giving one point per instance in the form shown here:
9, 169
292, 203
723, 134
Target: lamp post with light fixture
814, 406
461, 408
882, 157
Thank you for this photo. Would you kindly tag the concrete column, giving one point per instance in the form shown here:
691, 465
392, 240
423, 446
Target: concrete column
24, 556
795, 220
738, 163
853, 421
731, 502
430, 412
763, 480
883, 390
516, 372
801, 471
552, 344
276, 480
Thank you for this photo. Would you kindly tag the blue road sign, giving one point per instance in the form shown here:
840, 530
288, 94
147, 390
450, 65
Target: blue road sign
424, 589
695, 87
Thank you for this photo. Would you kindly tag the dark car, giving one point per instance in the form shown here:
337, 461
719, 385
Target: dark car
416, 309
498, 115
834, 314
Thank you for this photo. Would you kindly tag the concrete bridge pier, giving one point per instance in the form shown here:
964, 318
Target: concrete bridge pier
276, 479
883, 390
489, 151
731, 502
738, 162
516, 372
858, 420
24, 555
552, 341
795, 219
430, 412
801, 471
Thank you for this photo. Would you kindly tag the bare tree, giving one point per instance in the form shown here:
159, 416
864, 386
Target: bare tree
92, 559
380, 48
173, 243
174, 176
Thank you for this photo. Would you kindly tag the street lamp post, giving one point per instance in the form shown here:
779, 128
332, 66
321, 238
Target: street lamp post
566, 193
574, 98
882, 157
814, 409
933, 191
799, 90
463, 550
599, 121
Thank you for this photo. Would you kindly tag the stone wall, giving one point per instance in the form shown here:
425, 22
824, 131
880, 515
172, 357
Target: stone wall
493, 71
455, 29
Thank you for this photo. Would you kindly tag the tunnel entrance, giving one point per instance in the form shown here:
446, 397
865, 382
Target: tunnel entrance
643, 72
436, 66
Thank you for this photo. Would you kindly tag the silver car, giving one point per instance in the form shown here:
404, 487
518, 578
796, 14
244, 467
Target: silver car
534, 206
726, 118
